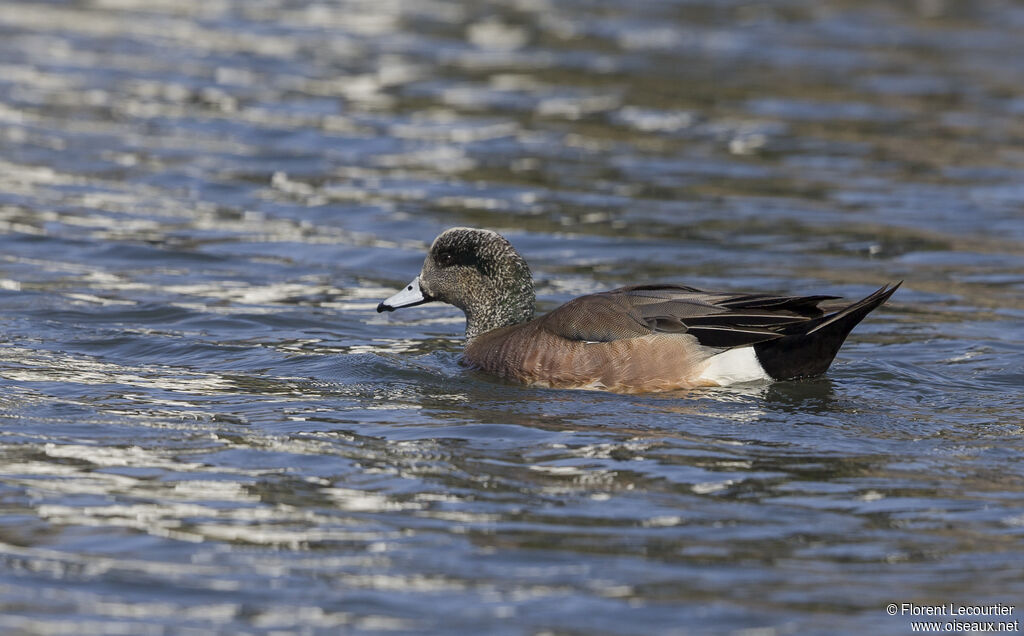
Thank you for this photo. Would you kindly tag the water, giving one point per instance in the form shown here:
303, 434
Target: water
206, 428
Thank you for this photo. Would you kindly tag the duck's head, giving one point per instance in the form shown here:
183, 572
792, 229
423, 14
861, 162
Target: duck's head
479, 272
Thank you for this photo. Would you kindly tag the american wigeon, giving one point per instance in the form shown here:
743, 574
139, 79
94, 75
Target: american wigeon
631, 339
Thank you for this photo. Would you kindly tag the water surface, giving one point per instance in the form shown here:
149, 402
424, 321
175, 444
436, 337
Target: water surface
206, 428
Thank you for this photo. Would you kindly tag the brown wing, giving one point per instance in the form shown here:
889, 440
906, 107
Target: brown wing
715, 319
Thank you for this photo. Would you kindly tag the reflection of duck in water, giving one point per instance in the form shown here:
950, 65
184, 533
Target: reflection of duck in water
631, 339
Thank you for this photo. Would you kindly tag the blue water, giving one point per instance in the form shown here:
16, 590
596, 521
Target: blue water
206, 428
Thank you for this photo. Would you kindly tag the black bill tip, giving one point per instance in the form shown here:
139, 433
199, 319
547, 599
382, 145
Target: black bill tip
381, 308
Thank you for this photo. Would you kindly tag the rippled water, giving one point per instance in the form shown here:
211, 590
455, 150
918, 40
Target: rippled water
207, 428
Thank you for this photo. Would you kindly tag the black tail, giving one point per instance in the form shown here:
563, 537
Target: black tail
811, 347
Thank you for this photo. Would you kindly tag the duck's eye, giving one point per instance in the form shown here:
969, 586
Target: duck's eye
446, 259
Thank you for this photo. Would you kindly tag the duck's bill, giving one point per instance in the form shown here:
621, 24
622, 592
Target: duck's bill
410, 296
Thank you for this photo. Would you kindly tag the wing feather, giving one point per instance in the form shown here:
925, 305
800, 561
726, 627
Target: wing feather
721, 320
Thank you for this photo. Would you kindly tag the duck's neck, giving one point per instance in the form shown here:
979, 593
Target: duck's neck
501, 308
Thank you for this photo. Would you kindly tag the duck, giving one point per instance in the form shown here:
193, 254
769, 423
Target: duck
635, 339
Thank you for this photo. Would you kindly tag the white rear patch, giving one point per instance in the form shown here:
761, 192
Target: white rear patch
734, 366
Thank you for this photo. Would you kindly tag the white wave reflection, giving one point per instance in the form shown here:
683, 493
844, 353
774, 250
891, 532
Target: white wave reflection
33, 365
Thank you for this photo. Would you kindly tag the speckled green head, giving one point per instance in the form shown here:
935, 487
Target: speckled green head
479, 272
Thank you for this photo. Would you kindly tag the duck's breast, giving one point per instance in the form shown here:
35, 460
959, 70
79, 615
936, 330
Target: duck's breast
530, 354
